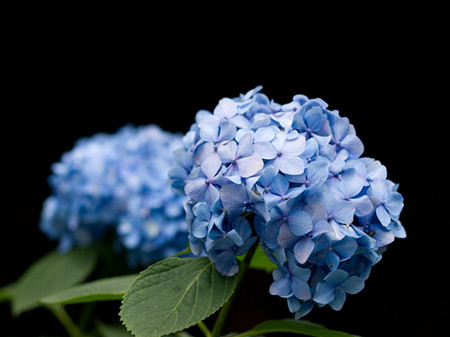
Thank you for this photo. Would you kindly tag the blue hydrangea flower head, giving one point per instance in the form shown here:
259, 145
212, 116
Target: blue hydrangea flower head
118, 183
291, 177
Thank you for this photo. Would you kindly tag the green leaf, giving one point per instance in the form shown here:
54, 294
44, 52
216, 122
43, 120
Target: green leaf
108, 289
260, 261
6, 292
173, 295
298, 327
50, 274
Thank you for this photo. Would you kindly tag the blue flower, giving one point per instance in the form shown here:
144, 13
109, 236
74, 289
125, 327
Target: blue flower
230, 243
387, 201
118, 184
333, 289
291, 283
322, 213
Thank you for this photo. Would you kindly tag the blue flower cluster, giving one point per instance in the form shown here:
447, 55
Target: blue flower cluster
118, 183
292, 177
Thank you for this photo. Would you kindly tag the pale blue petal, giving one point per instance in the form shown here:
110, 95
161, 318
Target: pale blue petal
199, 228
245, 147
209, 132
227, 131
291, 165
351, 183
249, 166
353, 145
226, 108
383, 216
363, 205
196, 189
394, 203
211, 166
340, 128
265, 134
201, 211
227, 152
343, 212
265, 150
294, 147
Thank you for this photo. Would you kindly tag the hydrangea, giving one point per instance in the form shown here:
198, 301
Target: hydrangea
118, 184
291, 177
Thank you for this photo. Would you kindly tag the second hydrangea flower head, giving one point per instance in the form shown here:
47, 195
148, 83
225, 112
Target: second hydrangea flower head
290, 176
118, 183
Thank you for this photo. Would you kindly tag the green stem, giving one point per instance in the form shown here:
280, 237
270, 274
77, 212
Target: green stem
204, 329
223, 314
184, 251
63, 317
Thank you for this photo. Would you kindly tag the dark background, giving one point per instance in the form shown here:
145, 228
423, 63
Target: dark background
63, 86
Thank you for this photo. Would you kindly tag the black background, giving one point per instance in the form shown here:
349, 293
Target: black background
65, 85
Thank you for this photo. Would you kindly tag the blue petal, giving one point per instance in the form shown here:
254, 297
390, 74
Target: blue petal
224, 262
353, 145
300, 222
303, 249
294, 304
343, 212
300, 289
211, 166
351, 183
211, 195
291, 165
209, 132
281, 287
346, 247
233, 197
336, 277
227, 131
340, 128
394, 203
235, 237
201, 211
227, 152
332, 260
245, 148
196, 189
280, 185
324, 293
383, 216
315, 117
353, 285
338, 302
249, 166
199, 228
294, 147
